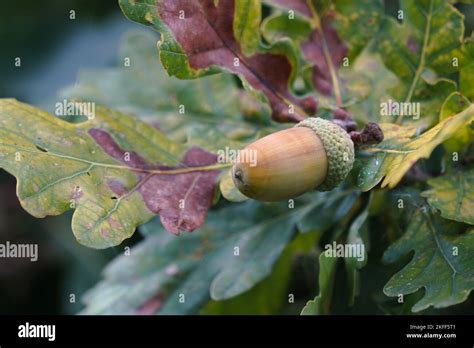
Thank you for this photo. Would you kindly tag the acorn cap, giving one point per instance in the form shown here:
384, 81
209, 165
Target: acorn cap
339, 150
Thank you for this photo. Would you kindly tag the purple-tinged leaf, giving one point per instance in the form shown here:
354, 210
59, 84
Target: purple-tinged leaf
113, 170
198, 38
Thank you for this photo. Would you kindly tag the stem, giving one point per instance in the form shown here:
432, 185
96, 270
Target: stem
316, 21
118, 166
421, 64
181, 170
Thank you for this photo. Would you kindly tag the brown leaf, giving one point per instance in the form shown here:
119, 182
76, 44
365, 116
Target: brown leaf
204, 31
181, 200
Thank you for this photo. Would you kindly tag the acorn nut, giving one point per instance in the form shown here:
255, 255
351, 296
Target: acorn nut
315, 154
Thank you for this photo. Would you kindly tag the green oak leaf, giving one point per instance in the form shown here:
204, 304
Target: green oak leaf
203, 265
373, 88
114, 171
280, 26
357, 22
455, 103
246, 24
357, 236
420, 49
401, 149
321, 303
201, 37
330, 208
453, 196
256, 300
441, 264
466, 68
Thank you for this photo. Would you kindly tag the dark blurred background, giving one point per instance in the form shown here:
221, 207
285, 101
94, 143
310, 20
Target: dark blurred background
53, 48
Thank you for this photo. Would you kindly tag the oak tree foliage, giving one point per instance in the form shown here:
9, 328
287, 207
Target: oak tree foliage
208, 75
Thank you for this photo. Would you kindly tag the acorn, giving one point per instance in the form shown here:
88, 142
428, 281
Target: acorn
315, 154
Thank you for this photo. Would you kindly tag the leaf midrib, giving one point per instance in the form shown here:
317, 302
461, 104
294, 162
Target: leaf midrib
421, 63
438, 243
460, 195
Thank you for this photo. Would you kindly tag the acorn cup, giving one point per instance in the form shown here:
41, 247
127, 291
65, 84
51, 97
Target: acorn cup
315, 154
